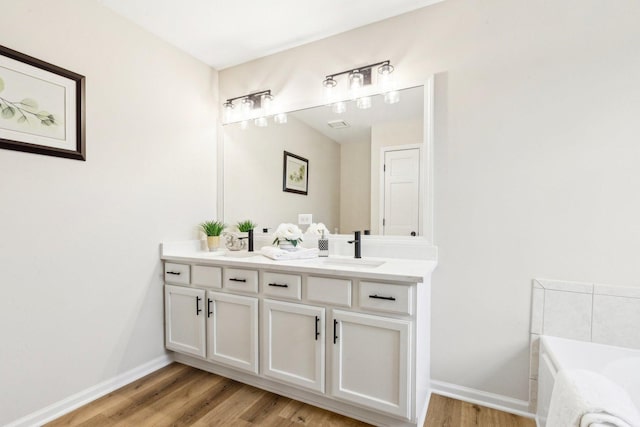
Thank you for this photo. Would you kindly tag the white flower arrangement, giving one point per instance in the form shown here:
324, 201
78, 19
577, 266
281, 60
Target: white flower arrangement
317, 229
289, 233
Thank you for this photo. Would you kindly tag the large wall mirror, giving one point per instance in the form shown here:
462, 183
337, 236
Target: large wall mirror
368, 169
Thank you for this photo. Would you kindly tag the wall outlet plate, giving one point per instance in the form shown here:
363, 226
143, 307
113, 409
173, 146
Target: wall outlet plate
304, 219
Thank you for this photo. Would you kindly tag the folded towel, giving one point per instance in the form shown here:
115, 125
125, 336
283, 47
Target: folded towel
603, 420
282, 255
585, 399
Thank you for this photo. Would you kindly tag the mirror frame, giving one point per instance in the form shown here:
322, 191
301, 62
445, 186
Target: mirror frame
427, 209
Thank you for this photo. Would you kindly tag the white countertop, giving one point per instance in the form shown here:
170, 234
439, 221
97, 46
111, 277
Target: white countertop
400, 270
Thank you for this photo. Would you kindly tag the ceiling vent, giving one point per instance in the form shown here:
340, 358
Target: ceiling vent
338, 124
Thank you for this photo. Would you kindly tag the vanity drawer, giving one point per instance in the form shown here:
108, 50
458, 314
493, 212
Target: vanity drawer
210, 277
329, 291
385, 297
281, 285
237, 279
176, 273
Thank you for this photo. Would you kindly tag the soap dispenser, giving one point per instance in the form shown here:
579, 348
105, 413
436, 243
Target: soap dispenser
323, 245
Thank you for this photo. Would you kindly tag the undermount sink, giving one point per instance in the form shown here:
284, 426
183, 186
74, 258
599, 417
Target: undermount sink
348, 262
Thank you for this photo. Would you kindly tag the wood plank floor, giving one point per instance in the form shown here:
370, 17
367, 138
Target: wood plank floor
179, 395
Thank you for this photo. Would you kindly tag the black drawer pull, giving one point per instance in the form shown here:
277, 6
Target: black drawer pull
335, 331
209, 312
317, 331
233, 279
177, 273
198, 309
379, 297
278, 285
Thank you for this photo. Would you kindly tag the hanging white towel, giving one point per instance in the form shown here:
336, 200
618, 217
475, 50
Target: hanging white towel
587, 399
282, 255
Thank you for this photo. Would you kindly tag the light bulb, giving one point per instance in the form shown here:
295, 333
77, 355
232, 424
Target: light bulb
261, 122
364, 102
392, 97
339, 107
280, 118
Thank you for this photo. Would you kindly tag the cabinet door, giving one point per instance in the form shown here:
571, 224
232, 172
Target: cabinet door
294, 344
232, 330
371, 361
184, 320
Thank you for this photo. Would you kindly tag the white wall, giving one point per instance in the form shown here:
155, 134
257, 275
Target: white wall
536, 156
355, 186
253, 161
81, 287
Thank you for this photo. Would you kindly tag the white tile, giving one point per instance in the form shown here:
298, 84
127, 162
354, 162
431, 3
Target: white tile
533, 396
567, 315
617, 291
534, 356
537, 310
562, 285
616, 321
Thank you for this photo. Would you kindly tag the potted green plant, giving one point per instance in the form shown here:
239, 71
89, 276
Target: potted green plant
245, 226
213, 229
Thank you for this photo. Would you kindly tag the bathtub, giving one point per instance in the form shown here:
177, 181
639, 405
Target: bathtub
622, 365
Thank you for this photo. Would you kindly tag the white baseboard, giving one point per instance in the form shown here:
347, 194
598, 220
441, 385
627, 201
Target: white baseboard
90, 394
483, 398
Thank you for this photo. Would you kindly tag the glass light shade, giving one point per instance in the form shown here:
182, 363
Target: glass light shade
267, 103
385, 69
280, 118
392, 97
244, 124
261, 122
329, 84
247, 106
228, 111
339, 107
364, 102
356, 80
385, 79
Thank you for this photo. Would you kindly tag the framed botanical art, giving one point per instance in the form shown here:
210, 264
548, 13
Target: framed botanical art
41, 107
295, 174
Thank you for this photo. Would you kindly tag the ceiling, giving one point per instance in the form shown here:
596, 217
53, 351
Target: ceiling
226, 33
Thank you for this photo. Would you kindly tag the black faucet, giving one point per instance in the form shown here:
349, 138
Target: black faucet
251, 240
358, 246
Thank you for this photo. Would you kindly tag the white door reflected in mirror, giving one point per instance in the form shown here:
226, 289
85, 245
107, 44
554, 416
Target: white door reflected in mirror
401, 192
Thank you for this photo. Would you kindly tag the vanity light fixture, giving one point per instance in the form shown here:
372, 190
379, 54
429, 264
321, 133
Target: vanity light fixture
358, 78
256, 106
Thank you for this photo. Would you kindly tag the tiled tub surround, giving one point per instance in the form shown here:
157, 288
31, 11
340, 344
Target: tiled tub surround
603, 314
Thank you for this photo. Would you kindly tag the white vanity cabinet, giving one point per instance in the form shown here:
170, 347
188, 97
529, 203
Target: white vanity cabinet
348, 341
232, 330
371, 360
184, 319
293, 347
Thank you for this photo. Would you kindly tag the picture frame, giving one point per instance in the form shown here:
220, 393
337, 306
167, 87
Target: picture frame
42, 107
295, 174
